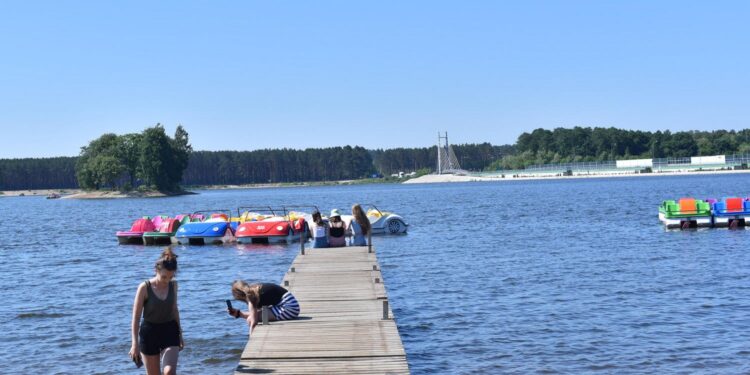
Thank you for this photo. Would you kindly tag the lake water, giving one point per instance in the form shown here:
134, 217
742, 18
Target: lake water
563, 276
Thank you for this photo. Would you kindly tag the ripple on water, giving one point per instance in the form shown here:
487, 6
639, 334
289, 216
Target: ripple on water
41, 315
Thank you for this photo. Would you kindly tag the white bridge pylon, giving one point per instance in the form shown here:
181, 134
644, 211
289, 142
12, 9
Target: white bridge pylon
446, 159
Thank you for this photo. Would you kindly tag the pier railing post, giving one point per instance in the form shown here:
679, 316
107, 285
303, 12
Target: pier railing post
385, 309
264, 315
369, 241
301, 244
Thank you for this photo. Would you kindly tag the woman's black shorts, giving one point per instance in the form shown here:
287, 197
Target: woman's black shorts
155, 337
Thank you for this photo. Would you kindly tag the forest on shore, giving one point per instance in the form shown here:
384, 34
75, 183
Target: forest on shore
153, 160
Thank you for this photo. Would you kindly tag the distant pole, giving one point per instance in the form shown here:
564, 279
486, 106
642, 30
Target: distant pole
369, 240
438, 151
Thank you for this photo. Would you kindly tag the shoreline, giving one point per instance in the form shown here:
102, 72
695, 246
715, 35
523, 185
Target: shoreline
364, 181
38, 192
76, 193
81, 194
121, 195
426, 179
431, 178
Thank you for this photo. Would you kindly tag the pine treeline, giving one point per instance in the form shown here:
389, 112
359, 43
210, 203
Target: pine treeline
475, 157
129, 160
562, 145
279, 165
41, 173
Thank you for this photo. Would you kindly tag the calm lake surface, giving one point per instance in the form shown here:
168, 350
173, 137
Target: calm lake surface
564, 276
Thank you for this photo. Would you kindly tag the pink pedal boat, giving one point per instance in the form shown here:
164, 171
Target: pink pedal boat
135, 234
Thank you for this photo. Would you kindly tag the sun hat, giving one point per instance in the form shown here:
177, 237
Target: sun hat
335, 212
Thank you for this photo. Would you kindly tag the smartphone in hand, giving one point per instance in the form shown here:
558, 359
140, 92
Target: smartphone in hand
232, 311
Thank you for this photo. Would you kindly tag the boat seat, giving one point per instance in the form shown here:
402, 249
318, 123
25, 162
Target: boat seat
688, 206
733, 204
673, 207
220, 216
703, 208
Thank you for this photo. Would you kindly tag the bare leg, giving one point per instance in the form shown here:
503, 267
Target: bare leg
152, 364
169, 359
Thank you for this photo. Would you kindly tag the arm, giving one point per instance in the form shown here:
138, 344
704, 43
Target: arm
251, 315
140, 297
177, 316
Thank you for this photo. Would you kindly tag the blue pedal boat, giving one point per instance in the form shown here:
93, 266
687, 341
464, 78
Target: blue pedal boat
731, 212
209, 227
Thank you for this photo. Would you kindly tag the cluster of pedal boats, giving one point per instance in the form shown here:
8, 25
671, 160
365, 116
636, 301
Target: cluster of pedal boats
686, 213
260, 224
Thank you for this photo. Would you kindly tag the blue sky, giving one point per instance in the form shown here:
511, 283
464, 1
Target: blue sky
381, 74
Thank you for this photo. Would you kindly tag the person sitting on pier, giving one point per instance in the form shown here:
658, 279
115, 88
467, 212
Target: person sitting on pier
337, 230
283, 305
159, 336
359, 226
319, 231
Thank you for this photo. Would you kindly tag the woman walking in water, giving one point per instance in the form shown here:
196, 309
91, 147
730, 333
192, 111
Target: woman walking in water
158, 338
283, 304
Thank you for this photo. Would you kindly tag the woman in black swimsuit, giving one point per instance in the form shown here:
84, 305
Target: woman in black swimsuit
336, 230
159, 336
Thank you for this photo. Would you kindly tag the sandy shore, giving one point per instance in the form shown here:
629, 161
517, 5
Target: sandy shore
431, 178
80, 194
38, 193
120, 195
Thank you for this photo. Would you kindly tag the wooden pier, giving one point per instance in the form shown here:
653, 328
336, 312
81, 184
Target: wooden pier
346, 325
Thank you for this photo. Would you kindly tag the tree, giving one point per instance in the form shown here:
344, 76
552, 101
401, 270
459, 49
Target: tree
106, 169
155, 159
89, 164
129, 155
181, 150
150, 156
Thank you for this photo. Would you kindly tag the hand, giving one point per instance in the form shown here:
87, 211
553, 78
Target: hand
251, 322
182, 342
134, 351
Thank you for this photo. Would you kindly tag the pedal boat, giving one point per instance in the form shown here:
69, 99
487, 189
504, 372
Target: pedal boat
384, 222
216, 229
135, 234
731, 213
165, 231
685, 214
269, 225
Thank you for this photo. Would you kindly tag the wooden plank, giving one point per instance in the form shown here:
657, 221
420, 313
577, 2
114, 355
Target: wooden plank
362, 365
341, 329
